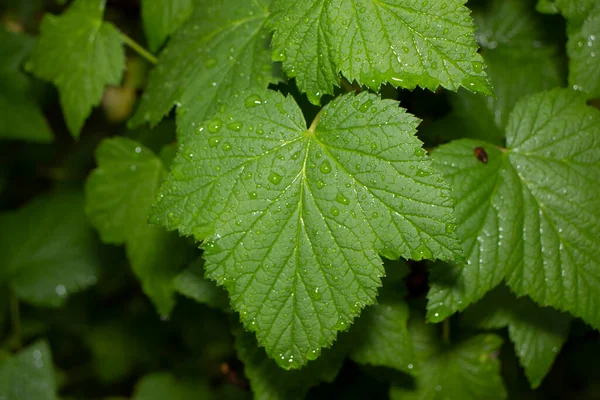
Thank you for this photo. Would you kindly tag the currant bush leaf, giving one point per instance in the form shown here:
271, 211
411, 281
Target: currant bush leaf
160, 386
382, 336
293, 219
20, 116
406, 43
467, 370
48, 250
191, 283
28, 374
537, 333
80, 54
583, 49
221, 48
161, 18
269, 382
119, 197
530, 214
520, 62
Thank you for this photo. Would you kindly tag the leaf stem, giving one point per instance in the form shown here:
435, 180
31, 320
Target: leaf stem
313, 126
15, 317
446, 331
135, 46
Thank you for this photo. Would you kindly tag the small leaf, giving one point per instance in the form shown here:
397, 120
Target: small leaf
583, 49
293, 219
467, 370
119, 196
537, 333
405, 43
381, 334
191, 283
161, 386
80, 54
531, 214
161, 18
28, 375
48, 250
20, 116
269, 382
221, 48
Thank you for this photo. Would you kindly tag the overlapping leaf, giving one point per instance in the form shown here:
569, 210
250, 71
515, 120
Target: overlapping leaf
269, 382
161, 18
467, 370
381, 334
531, 213
119, 197
80, 54
191, 283
294, 219
28, 374
519, 61
222, 47
20, 116
406, 43
48, 250
160, 386
537, 333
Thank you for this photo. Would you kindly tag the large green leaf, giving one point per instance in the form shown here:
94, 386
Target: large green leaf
407, 43
119, 196
221, 48
161, 18
466, 370
531, 214
48, 250
537, 333
293, 219
20, 116
28, 374
80, 54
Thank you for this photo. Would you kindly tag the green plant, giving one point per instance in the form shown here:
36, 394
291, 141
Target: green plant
337, 226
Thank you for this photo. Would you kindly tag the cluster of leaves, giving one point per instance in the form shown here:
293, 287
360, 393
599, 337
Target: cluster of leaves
270, 220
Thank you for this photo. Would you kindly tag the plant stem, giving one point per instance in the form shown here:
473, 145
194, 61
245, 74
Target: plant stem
15, 317
139, 49
446, 331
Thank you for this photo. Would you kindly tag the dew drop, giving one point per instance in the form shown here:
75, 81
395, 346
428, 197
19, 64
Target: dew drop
235, 126
334, 211
325, 167
214, 141
253, 101
215, 125
274, 178
340, 198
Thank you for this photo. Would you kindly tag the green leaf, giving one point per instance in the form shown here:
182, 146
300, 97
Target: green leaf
161, 18
381, 334
20, 116
161, 386
466, 370
531, 213
293, 219
191, 283
269, 382
406, 43
119, 196
114, 351
221, 48
80, 54
583, 49
28, 375
546, 7
48, 250
519, 63
537, 333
